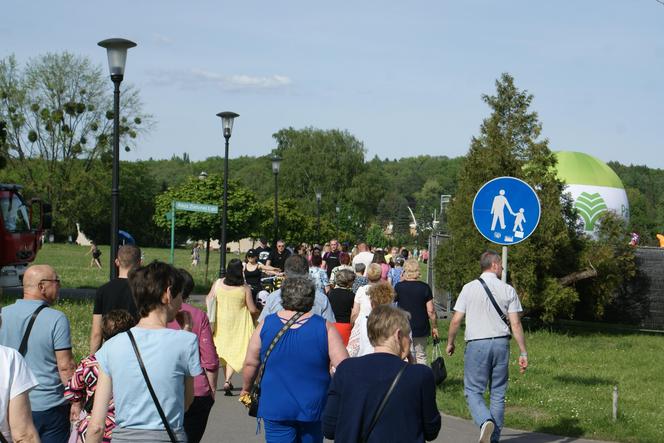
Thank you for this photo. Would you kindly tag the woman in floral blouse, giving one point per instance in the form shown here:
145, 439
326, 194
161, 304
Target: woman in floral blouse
81, 387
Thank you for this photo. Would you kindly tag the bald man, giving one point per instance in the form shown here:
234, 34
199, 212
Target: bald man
48, 352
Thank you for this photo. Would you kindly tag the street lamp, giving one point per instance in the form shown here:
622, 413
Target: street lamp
227, 125
318, 197
337, 219
116, 50
276, 164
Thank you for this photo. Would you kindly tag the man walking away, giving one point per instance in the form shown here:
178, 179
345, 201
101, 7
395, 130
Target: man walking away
487, 343
46, 347
115, 294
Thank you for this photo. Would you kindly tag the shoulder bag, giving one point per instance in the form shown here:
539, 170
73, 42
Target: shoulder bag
255, 392
501, 314
23, 348
171, 435
382, 404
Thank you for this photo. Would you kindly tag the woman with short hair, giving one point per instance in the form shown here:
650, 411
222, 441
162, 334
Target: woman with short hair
359, 386
170, 359
344, 260
296, 377
318, 274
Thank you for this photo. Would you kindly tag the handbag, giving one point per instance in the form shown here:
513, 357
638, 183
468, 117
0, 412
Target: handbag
437, 363
382, 404
164, 420
255, 392
211, 305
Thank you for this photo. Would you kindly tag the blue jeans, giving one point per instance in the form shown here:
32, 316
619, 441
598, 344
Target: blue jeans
486, 365
53, 424
293, 431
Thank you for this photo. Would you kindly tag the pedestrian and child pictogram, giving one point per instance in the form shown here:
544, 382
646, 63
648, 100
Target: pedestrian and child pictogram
506, 210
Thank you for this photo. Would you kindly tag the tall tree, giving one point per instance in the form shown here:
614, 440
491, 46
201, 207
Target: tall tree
327, 160
509, 144
58, 108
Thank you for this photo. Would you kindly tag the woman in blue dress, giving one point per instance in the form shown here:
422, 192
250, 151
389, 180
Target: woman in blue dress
297, 374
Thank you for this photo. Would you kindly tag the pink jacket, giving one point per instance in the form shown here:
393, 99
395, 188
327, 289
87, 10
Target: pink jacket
207, 350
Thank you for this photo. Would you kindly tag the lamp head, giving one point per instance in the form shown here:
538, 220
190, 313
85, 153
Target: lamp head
116, 49
276, 164
227, 122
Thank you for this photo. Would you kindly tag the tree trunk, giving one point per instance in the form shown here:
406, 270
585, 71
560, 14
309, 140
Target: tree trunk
577, 276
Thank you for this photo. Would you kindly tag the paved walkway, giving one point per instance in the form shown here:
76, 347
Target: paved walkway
229, 423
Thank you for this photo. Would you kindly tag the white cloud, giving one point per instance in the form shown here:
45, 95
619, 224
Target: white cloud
236, 82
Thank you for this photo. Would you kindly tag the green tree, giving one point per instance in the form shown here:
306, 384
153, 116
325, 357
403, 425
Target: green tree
509, 145
294, 226
242, 215
326, 160
58, 109
138, 189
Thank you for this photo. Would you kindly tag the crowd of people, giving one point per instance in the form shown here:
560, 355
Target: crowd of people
345, 333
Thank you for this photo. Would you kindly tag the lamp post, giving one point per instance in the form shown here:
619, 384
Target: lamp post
227, 125
276, 164
318, 197
337, 219
116, 50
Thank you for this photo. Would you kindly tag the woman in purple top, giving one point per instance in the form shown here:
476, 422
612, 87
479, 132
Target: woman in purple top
205, 385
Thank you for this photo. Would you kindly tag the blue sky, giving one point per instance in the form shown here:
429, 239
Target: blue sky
406, 78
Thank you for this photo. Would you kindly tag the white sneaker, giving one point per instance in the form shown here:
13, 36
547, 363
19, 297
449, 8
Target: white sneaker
485, 431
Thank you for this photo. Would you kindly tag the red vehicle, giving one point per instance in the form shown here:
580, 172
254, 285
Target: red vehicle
21, 229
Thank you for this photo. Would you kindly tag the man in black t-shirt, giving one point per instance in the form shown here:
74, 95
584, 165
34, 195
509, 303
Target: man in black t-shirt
278, 258
115, 294
263, 251
331, 258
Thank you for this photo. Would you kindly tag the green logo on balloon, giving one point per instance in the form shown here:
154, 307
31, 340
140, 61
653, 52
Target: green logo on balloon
590, 207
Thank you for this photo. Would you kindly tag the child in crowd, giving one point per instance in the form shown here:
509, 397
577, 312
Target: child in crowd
82, 386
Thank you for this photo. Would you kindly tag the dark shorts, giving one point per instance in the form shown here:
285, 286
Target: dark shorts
53, 424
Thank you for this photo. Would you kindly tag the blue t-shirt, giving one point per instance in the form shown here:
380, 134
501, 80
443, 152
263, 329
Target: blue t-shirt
169, 356
296, 378
50, 333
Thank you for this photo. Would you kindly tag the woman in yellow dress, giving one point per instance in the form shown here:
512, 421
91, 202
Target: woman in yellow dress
234, 324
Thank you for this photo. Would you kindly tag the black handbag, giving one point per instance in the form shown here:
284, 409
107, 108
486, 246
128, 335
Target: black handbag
255, 392
437, 363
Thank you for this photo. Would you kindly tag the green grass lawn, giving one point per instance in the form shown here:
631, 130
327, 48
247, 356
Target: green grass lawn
567, 389
73, 265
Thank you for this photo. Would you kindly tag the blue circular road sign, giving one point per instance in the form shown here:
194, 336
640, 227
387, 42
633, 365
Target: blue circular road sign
506, 210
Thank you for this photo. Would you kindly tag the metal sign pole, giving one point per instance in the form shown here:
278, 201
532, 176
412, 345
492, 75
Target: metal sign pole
172, 231
504, 278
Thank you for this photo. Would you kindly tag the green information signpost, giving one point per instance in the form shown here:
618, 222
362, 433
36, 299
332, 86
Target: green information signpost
186, 206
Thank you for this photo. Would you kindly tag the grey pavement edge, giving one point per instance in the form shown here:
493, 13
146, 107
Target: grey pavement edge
229, 423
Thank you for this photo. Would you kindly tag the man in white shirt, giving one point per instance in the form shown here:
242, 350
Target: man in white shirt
363, 256
487, 343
